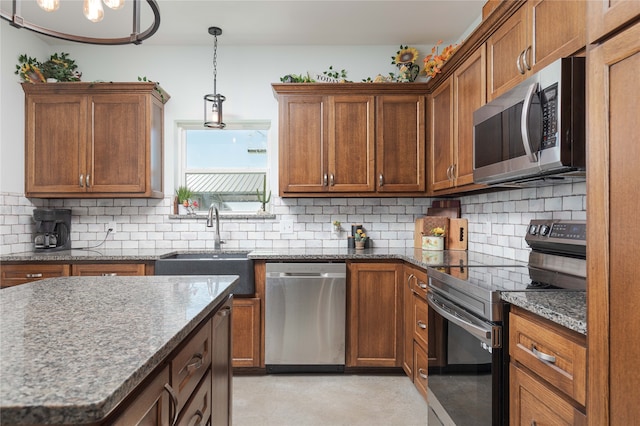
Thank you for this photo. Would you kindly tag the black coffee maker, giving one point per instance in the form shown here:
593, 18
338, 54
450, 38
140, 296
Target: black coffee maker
53, 229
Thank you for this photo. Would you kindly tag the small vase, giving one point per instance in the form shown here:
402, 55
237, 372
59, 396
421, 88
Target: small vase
408, 71
432, 243
359, 245
182, 210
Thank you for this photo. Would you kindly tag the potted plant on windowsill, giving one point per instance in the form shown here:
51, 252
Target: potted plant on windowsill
263, 198
183, 195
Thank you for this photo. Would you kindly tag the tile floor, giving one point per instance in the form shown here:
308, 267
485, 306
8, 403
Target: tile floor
327, 400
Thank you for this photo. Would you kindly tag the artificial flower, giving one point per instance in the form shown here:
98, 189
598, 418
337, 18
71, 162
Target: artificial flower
405, 55
433, 62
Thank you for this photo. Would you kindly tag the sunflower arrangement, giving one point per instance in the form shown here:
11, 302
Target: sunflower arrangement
405, 59
433, 62
28, 69
59, 67
437, 232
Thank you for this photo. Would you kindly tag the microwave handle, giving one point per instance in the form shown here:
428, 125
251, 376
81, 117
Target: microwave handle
524, 121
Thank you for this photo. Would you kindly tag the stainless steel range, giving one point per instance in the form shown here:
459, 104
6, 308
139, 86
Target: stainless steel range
468, 389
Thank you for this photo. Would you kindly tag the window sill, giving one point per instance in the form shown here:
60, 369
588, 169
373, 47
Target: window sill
224, 216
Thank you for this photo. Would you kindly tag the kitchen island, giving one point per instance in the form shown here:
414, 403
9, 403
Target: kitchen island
73, 349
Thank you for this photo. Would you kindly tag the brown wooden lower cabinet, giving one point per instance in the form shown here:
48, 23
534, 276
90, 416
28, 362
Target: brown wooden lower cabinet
421, 367
107, 269
374, 306
150, 407
246, 332
11, 275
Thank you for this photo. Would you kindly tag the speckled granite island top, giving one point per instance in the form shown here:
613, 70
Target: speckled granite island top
567, 308
72, 348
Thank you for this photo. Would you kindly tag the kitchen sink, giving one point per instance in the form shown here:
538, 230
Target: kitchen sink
210, 263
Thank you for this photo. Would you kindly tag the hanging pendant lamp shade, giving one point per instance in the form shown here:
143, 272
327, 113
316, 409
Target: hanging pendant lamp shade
213, 102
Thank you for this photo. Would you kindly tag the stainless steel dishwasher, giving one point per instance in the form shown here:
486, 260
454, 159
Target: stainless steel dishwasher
305, 312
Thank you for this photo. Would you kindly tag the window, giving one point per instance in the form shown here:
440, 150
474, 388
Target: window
226, 167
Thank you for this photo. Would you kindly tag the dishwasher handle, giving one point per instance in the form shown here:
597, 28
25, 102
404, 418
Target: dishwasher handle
305, 275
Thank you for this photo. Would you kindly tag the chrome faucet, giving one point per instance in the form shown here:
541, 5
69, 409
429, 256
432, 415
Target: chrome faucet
217, 242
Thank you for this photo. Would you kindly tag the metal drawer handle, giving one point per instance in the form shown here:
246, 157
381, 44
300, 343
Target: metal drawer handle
409, 278
223, 312
197, 415
422, 285
422, 325
38, 275
422, 373
173, 407
110, 274
195, 362
542, 356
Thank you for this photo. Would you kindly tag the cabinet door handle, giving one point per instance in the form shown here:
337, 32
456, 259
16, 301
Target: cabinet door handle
173, 406
195, 362
37, 275
325, 180
409, 278
422, 285
453, 171
422, 373
332, 180
525, 63
223, 312
81, 181
519, 63
542, 356
422, 325
198, 418
381, 180
87, 180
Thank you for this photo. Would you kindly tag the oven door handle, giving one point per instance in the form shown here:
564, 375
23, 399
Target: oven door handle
487, 333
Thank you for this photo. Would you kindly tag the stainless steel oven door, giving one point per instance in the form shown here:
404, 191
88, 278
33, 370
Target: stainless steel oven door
469, 388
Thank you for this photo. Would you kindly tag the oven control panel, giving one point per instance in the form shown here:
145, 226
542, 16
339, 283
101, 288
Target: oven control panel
562, 231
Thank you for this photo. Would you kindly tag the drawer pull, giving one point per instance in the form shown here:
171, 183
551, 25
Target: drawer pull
422, 285
110, 274
173, 406
194, 363
197, 416
409, 278
542, 356
37, 275
422, 325
422, 373
224, 311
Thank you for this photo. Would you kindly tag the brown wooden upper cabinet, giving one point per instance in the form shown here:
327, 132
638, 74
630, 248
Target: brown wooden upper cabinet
351, 138
538, 33
94, 140
606, 16
451, 107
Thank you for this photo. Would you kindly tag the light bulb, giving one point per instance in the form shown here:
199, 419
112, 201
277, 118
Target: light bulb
49, 5
114, 4
215, 113
93, 10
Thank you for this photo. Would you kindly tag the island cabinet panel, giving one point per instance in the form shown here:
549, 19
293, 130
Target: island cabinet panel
246, 332
374, 320
150, 407
93, 140
547, 371
538, 33
221, 371
11, 275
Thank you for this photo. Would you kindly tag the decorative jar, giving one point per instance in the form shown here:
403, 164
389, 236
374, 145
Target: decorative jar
430, 242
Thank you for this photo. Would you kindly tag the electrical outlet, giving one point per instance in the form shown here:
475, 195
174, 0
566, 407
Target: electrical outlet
112, 226
286, 226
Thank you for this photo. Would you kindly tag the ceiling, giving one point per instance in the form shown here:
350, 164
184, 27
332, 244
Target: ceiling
265, 22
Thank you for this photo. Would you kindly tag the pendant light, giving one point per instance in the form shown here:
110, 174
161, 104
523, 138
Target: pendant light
213, 102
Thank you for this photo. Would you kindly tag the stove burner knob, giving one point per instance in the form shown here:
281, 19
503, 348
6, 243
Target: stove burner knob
533, 229
544, 230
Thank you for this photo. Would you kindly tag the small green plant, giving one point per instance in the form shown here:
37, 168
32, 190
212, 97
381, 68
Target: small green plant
293, 78
157, 88
262, 196
184, 194
335, 74
61, 67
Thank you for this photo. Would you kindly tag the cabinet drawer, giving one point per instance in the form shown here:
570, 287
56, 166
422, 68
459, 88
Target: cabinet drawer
198, 409
421, 367
99, 269
533, 403
191, 363
419, 284
551, 352
421, 320
20, 274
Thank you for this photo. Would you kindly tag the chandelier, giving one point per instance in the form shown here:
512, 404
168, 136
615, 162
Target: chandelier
213, 102
94, 12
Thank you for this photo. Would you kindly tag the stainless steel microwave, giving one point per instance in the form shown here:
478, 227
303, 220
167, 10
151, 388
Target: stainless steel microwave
535, 133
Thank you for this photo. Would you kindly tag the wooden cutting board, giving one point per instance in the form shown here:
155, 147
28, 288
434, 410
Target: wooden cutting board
452, 212
417, 233
457, 234
430, 222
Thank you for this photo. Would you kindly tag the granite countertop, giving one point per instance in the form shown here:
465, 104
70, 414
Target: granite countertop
567, 308
72, 348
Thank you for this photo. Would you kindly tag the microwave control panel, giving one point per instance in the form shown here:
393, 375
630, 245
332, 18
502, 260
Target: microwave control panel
549, 100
